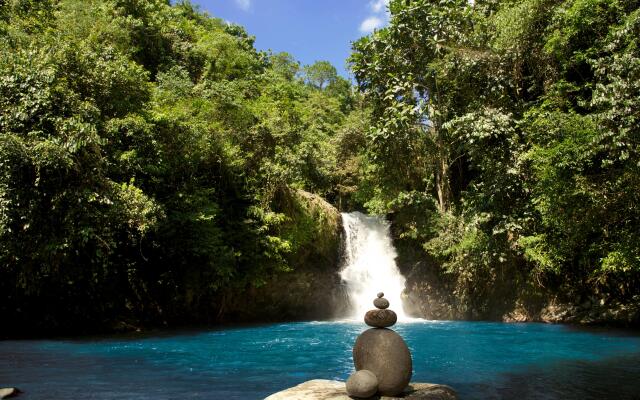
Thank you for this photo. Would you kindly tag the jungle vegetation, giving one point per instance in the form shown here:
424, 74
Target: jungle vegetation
143, 145
506, 139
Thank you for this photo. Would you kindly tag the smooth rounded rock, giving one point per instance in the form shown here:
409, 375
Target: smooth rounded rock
384, 352
362, 384
380, 318
381, 303
380, 295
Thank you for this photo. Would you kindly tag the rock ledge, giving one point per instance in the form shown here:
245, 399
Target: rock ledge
322, 389
6, 393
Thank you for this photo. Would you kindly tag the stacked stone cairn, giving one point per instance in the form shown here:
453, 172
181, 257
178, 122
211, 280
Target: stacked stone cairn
381, 357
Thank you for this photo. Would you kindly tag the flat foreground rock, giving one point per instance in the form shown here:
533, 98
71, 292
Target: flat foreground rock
321, 389
6, 393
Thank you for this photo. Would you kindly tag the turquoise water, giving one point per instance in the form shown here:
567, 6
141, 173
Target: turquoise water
480, 360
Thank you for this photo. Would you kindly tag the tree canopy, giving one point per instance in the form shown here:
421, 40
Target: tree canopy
142, 148
515, 125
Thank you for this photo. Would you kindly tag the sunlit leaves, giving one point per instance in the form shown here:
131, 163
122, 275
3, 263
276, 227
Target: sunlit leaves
529, 111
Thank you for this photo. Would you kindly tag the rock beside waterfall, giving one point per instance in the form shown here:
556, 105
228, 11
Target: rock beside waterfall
383, 352
380, 318
6, 393
320, 389
362, 384
316, 261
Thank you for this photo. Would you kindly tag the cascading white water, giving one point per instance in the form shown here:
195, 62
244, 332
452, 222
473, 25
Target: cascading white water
370, 265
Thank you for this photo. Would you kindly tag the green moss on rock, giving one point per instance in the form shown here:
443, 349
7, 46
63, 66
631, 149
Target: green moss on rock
310, 288
312, 226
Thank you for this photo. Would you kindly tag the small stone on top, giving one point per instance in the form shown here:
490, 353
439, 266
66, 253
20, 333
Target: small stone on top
380, 295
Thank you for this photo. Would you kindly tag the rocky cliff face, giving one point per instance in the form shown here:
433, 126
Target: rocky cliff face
427, 295
432, 294
312, 288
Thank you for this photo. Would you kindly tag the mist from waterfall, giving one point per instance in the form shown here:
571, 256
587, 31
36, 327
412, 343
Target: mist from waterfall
370, 265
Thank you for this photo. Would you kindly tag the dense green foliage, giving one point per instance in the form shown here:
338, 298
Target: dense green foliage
142, 150
506, 141
151, 159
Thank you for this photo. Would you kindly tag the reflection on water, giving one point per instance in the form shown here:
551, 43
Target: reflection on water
480, 360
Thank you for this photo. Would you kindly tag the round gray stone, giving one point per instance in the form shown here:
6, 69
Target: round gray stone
381, 303
380, 318
362, 384
384, 352
381, 294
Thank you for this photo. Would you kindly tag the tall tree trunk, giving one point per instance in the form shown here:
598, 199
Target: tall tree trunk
443, 186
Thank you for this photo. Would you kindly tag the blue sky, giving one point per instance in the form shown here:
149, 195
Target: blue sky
311, 30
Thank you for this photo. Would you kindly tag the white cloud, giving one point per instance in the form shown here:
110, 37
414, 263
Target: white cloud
243, 4
379, 6
371, 23
378, 16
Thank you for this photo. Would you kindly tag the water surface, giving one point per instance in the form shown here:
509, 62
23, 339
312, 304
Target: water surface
480, 360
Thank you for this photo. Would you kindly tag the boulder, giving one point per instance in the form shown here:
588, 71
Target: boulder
362, 384
383, 352
320, 389
314, 229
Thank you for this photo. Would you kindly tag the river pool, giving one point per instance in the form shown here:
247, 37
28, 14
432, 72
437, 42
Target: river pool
480, 360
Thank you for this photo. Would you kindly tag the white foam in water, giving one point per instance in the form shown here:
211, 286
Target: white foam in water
370, 265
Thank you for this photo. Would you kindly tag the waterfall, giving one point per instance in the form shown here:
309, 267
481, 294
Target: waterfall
370, 265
